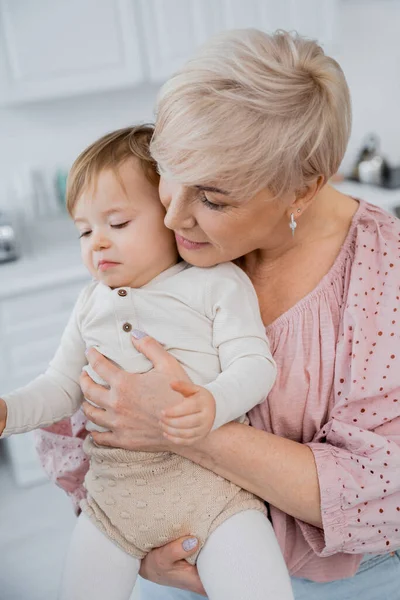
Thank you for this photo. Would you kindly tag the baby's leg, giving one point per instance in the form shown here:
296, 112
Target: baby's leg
95, 568
241, 560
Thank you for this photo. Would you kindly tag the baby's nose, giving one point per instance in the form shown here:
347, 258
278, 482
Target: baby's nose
100, 242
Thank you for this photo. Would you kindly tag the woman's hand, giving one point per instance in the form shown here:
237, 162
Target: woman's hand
167, 566
131, 409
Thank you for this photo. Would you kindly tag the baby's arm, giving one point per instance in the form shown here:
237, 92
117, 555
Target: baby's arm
52, 396
248, 369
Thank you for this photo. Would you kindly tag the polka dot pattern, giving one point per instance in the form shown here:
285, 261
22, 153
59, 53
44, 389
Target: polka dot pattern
338, 390
62, 457
364, 422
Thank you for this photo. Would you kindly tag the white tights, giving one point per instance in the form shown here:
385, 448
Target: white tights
241, 560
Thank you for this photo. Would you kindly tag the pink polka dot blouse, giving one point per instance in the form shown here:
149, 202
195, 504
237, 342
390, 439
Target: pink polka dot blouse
338, 391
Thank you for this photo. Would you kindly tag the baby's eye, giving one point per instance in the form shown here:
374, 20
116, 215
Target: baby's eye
120, 225
85, 233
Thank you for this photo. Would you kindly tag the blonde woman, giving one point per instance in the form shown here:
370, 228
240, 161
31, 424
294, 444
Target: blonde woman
248, 134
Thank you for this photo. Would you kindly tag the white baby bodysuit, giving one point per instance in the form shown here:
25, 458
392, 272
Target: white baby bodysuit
207, 318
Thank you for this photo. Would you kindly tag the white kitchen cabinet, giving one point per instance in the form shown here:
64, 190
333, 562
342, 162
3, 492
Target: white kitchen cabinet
173, 29
312, 18
31, 324
58, 48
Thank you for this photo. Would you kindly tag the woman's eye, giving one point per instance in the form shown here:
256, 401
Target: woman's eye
209, 204
85, 233
120, 225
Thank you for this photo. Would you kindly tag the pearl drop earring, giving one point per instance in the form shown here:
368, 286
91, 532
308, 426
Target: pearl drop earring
292, 223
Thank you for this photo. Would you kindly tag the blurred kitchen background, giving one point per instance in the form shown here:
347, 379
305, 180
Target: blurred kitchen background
72, 70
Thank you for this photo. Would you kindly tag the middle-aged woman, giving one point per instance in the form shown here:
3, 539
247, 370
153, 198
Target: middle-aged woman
247, 136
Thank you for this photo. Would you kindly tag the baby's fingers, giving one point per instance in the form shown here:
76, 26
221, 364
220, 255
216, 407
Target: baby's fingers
186, 422
185, 408
186, 388
184, 437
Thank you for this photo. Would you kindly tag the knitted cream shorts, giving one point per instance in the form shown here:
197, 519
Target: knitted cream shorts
143, 500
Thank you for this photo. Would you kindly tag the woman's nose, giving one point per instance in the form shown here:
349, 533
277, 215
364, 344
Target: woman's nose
174, 198
177, 217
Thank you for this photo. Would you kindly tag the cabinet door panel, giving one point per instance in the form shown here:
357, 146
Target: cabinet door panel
58, 48
31, 326
173, 30
30, 310
25, 463
312, 18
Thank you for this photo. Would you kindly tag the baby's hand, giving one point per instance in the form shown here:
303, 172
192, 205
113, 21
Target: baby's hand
3, 415
192, 419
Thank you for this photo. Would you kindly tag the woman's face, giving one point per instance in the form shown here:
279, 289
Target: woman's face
211, 226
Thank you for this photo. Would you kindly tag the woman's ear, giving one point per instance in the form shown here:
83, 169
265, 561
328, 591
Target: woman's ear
306, 195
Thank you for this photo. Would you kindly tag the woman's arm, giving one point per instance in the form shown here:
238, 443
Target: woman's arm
280, 471
270, 466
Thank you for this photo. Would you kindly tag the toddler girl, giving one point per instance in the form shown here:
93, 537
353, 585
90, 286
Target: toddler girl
209, 320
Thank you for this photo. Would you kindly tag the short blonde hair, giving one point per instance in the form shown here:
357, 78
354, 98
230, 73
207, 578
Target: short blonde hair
110, 152
253, 110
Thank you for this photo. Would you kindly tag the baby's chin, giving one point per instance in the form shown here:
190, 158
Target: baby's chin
114, 281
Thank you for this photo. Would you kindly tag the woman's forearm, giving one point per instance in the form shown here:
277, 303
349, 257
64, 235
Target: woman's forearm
280, 471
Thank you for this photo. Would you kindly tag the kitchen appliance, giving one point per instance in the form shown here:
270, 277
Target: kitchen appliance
371, 166
9, 246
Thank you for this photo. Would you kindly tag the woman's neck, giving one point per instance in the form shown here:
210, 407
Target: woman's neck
327, 217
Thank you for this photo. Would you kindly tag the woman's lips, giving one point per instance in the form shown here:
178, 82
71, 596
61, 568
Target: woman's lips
104, 265
189, 245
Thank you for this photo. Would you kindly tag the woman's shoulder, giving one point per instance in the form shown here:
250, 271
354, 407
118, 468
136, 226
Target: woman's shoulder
375, 223
373, 282
376, 243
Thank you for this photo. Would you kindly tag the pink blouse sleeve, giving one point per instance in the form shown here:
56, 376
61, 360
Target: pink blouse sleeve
357, 452
62, 457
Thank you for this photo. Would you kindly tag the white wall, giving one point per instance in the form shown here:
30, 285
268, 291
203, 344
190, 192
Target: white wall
368, 47
51, 134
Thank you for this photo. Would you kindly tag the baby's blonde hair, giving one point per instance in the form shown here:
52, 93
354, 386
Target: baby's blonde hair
110, 152
253, 110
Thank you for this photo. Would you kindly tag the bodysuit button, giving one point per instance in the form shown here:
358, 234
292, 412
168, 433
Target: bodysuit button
122, 293
127, 327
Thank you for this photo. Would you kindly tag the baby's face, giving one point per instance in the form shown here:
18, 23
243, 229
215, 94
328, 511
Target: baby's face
124, 241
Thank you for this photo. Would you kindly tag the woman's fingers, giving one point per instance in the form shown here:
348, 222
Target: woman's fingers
177, 550
94, 414
161, 359
93, 391
102, 366
104, 438
167, 566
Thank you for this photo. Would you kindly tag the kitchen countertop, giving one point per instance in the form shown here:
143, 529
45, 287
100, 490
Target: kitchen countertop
385, 198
